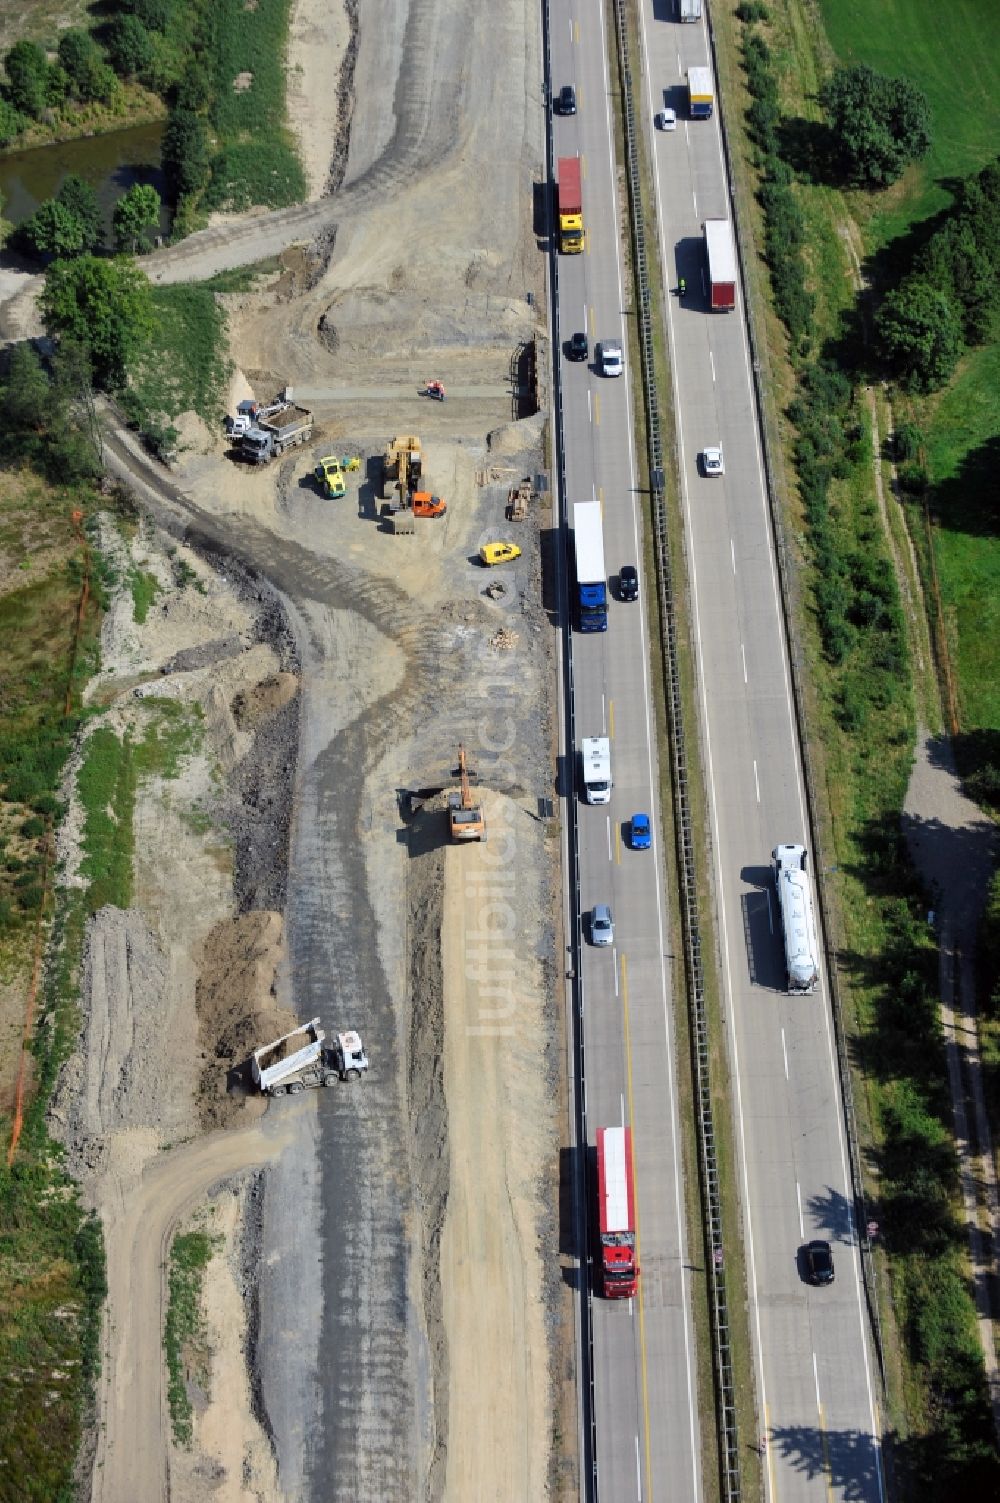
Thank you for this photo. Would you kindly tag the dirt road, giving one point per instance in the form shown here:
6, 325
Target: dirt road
134, 1428
499, 1125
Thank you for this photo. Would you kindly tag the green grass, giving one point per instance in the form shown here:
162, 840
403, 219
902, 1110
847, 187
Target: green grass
952, 52
106, 788
145, 588
963, 440
51, 1254
185, 366
175, 731
256, 163
184, 1336
243, 278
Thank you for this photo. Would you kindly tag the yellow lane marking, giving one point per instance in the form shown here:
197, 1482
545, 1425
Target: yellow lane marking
611, 719
648, 1490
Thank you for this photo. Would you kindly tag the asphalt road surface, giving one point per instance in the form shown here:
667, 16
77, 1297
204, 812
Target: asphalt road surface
648, 1441
814, 1372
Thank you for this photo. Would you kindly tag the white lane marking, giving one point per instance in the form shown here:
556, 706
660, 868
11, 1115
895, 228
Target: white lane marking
604, 715
590, 407
756, 779
694, 200
711, 361
610, 857
732, 553
819, 1401
638, 1467
798, 1197
784, 1052
743, 654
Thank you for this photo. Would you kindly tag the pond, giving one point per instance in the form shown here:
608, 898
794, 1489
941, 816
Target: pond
110, 164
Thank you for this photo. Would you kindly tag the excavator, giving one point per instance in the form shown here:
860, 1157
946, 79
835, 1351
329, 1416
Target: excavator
402, 469
465, 816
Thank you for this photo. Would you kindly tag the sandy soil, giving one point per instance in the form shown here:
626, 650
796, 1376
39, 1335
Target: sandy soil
500, 1129
318, 42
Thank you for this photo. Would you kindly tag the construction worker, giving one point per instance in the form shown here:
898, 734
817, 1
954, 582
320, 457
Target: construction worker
682, 287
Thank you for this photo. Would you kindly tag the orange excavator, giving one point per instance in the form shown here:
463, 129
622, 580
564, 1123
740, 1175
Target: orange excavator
465, 815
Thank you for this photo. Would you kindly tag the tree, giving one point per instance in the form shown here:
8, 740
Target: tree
130, 47
919, 331
89, 74
136, 212
877, 124
54, 230
184, 154
105, 307
152, 13
12, 122
27, 70
79, 196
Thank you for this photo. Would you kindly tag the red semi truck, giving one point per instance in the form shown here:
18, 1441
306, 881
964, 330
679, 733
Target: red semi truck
616, 1211
720, 253
570, 206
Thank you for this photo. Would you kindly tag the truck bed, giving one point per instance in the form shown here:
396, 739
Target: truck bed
284, 422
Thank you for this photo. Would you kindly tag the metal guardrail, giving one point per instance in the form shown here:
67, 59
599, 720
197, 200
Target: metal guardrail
726, 1418
590, 1484
789, 603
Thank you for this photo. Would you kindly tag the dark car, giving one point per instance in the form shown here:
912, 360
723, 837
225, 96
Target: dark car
566, 102
628, 582
578, 348
818, 1260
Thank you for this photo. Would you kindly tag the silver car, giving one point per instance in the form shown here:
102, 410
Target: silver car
602, 925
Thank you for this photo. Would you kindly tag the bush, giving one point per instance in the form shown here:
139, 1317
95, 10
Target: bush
130, 46
919, 334
752, 10
12, 122
155, 14
877, 125
89, 75
185, 154
27, 71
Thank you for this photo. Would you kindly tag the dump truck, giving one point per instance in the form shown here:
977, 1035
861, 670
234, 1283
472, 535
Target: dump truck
720, 256
302, 1059
269, 438
798, 922
616, 1212
570, 195
700, 93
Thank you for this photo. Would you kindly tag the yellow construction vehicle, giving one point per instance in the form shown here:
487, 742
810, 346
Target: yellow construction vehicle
465, 816
329, 477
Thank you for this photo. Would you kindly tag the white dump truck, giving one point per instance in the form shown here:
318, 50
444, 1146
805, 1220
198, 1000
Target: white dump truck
797, 919
302, 1059
270, 437
249, 414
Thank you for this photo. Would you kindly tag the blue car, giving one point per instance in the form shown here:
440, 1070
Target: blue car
641, 836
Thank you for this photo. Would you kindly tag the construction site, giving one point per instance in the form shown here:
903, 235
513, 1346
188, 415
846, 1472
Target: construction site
355, 855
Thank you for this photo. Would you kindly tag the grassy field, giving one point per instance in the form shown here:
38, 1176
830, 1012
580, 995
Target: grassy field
185, 366
184, 1336
933, 44
51, 1258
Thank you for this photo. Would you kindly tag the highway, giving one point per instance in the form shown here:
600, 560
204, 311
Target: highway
814, 1376
648, 1437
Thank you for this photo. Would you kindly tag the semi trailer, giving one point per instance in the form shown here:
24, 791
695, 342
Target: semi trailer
720, 257
591, 580
570, 195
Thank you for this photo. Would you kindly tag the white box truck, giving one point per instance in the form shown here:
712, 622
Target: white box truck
690, 10
595, 754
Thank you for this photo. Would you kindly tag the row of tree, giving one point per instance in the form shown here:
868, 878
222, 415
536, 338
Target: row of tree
70, 224
133, 45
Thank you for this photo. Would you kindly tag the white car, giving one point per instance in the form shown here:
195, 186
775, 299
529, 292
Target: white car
610, 361
665, 120
713, 461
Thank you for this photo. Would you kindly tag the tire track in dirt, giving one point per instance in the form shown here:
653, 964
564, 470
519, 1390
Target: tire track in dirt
134, 1421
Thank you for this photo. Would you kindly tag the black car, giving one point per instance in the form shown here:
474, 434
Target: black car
566, 102
628, 582
578, 348
818, 1260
